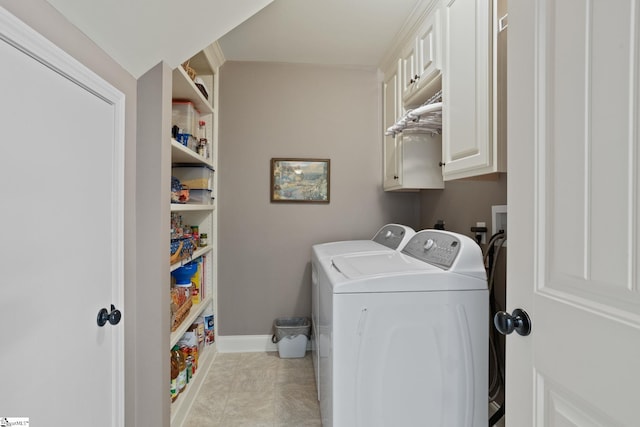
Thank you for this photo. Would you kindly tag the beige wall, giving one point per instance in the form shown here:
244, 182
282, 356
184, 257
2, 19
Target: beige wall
463, 203
282, 110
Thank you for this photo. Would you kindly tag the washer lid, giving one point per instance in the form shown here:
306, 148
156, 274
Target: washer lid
331, 249
358, 266
395, 272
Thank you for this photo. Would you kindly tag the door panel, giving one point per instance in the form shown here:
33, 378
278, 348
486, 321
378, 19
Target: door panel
392, 111
62, 245
466, 84
574, 194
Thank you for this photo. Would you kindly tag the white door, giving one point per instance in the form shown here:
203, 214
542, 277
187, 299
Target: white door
61, 245
574, 212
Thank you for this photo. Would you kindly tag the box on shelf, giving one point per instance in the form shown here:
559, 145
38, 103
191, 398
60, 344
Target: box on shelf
200, 196
201, 87
193, 176
185, 116
198, 328
196, 296
209, 336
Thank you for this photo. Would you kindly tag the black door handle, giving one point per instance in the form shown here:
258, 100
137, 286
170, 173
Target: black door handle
112, 317
506, 323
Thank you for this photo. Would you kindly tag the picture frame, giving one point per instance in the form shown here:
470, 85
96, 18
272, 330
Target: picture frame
300, 180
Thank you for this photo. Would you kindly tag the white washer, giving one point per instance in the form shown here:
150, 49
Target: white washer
406, 335
388, 238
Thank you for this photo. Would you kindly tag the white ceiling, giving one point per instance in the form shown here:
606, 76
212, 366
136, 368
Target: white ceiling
139, 34
332, 32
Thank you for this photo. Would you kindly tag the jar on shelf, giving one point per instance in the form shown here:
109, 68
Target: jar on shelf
203, 240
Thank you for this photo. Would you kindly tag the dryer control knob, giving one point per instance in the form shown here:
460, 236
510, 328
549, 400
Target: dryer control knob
429, 244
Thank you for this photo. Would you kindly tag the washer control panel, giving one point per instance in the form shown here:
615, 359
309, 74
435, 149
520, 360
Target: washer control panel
391, 235
434, 247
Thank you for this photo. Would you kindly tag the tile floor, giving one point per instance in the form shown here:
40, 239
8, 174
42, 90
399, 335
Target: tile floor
257, 390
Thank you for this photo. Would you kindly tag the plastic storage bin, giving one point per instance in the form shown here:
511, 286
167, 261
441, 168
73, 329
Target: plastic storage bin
291, 335
185, 116
194, 176
200, 196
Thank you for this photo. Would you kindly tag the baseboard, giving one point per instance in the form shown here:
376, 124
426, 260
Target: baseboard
247, 343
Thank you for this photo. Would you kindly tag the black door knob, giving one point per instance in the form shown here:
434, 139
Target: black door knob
112, 317
506, 323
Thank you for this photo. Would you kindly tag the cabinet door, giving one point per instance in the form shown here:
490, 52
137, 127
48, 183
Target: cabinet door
392, 171
467, 130
408, 68
419, 156
392, 111
428, 50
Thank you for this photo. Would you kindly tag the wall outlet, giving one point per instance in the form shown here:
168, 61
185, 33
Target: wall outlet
499, 220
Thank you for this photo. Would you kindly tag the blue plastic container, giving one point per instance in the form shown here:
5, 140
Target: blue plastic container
184, 274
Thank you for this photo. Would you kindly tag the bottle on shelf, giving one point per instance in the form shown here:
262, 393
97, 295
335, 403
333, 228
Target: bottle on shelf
182, 368
174, 376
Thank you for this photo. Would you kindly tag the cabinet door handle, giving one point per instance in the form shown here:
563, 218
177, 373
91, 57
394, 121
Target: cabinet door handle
441, 164
395, 176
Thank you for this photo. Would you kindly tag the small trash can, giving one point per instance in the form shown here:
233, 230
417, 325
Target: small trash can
291, 335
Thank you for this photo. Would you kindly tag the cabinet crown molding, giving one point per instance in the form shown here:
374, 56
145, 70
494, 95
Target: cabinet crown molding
411, 25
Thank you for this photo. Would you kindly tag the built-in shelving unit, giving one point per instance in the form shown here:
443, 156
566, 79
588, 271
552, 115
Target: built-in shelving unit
205, 64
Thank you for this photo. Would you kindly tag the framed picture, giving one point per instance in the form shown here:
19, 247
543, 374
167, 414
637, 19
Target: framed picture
300, 180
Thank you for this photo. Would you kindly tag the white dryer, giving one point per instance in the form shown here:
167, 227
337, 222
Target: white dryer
407, 335
389, 237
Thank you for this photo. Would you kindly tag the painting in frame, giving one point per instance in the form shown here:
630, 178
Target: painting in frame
296, 180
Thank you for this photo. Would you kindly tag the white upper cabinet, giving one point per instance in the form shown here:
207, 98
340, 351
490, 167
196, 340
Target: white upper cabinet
426, 52
412, 75
411, 159
474, 88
